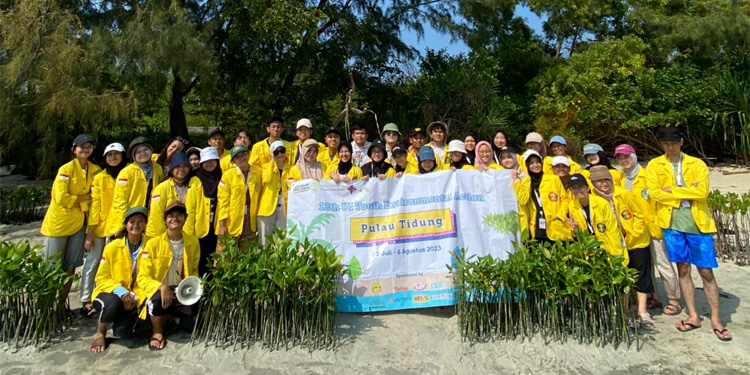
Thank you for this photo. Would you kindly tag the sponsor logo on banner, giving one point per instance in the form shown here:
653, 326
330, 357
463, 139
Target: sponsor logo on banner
400, 288
441, 296
304, 187
420, 286
436, 285
376, 287
421, 298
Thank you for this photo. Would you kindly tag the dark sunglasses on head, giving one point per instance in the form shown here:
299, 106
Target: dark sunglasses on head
279, 151
183, 140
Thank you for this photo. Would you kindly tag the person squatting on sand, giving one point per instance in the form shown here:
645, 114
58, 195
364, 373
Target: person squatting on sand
147, 221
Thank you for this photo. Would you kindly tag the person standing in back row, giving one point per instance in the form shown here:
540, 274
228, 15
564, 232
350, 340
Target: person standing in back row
678, 183
360, 145
261, 153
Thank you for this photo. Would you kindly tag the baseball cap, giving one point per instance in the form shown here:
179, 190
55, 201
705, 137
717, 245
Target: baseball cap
426, 153
304, 122
136, 210
236, 150
333, 131
83, 138
624, 149
398, 149
277, 144
534, 137
113, 147
529, 153
557, 160
376, 144
669, 135
592, 148
558, 139
577, 179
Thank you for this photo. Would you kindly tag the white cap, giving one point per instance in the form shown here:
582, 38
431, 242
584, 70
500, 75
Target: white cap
277, 144
114, 147
528, 153
209, 153
456, 145
560, 160
304, 122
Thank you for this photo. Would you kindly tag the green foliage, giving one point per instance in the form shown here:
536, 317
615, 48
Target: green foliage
51, 88
506, 223
731, 213
30, 289
563, 290
281, 295
23, 204
733, 115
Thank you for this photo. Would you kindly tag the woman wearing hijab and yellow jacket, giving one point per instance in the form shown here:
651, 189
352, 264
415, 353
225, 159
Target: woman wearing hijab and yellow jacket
634, 180
64, 228
102, 191
307, 166
344, 170
546, 205
633, 228
134, 183
202, 202
273, 193
174, 188
115, 295
237, 196
457, 157
484, 157
593, 214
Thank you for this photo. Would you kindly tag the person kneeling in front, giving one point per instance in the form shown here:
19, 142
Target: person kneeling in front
115, 297
164, 263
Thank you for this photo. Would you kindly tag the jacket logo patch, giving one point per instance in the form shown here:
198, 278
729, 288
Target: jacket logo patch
63, 177
644, 193
552, 197
156, 197
122, 181
601, 227
222, 183
144, 254
626, 214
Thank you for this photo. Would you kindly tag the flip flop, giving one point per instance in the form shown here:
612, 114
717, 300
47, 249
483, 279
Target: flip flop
720, 334
157, 348
691, 326
672, 310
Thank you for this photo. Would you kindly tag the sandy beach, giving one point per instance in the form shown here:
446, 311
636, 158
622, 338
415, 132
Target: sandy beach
417, 341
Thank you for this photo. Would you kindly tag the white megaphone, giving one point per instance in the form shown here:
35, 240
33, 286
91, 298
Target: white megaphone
190, 290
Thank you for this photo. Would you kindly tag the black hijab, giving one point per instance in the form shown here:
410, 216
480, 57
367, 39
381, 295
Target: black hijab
460, 163
210, 180
344, 168
536, 178
471, 155
114, 171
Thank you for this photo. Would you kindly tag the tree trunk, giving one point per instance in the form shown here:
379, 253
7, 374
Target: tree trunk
177, 121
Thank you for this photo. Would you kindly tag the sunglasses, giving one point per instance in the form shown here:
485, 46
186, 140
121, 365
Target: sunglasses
390, 133
279, 151
183, 140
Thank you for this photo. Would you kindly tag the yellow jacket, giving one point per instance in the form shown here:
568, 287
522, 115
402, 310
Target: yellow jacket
555, 204
604, 223
116, 269
324, 158
261, 154
632, 219
522, 187
232, 200
162, 196
640, 191
130, 191
198, 210
64, 217
102, 193
155, 259
269, 188
354, 174
225, 161
547, 166
659, 174
466, 167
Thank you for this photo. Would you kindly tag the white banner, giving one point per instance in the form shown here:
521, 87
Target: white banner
397, 234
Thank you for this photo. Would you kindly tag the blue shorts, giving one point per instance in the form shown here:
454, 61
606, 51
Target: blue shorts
697, 249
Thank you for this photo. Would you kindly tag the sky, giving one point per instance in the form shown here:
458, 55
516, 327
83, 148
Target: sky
436, 40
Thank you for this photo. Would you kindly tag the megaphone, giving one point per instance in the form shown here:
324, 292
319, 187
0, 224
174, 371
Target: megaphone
190, 290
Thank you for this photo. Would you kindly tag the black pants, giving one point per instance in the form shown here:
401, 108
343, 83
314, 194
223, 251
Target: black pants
176, 309
208, 247
112, 310
640, 260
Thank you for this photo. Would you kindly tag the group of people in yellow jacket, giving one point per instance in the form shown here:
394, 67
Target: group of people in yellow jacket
654, 215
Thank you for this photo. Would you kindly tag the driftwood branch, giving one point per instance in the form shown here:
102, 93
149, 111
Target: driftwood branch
349, 108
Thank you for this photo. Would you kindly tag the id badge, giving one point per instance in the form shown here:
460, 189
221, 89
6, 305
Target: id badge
542, 223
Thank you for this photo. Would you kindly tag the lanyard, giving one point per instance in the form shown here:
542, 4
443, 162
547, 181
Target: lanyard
245, 179
678, 180
588, 220
538, 202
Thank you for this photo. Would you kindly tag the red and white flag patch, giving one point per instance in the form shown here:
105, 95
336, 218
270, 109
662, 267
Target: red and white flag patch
63, 176
122, 181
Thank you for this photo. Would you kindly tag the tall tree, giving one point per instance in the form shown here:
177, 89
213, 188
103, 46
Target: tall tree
50, 86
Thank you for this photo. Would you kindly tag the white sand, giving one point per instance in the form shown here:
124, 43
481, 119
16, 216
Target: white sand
419, 342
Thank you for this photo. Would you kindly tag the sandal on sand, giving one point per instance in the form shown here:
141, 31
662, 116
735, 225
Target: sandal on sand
690, 326
646, 322
88, 312
720, 334
157, 348
672, 310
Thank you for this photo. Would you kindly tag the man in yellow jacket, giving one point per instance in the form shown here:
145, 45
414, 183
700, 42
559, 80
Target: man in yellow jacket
273, 193
164, 263
679, 185
261, 154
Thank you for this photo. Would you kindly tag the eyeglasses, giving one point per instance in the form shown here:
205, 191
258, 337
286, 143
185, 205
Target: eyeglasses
279, 151
87, 148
